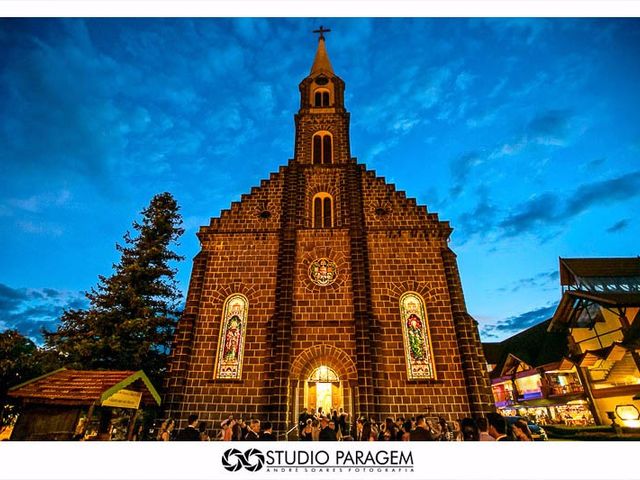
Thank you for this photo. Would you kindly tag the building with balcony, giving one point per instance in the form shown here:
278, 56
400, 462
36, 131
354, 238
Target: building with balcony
599, 314
531, 376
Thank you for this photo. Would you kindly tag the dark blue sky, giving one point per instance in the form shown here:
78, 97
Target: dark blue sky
524, 133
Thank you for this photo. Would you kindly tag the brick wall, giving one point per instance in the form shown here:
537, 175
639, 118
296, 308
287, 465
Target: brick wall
383, 244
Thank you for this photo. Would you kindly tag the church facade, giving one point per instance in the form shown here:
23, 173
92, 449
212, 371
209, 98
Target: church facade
325, 287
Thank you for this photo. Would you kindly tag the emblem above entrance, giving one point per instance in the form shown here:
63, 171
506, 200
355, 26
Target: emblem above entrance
323, 272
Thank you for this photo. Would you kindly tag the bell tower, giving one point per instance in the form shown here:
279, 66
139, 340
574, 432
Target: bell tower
322, 123
351, 295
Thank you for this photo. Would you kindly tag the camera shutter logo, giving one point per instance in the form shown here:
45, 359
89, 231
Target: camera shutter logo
233, 460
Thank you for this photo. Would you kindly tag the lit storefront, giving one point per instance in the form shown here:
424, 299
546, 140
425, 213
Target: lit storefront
599, 311
546, 386
560, 404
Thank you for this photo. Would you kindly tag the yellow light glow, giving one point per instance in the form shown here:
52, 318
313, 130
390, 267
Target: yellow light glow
628, 412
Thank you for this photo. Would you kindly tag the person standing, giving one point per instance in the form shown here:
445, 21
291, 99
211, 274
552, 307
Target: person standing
469, 430
420, 433
307, 432
336, 421
389, 433
343, 422
302, 420
404, 432
166, 429
227, 429
236, 431
359, 430
191, 433
497, 427
315, 435
327, 434
253, 433
521, 431
445, 431
482, 427
202, 428
267, 432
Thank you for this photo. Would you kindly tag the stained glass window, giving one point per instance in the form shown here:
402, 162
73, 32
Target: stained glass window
323, 374
415, 333
232, 335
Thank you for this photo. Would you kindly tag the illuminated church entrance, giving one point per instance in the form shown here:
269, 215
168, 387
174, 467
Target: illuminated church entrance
322, 376
323, 389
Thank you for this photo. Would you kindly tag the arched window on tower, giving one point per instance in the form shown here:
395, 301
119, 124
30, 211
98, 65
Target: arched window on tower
322, 210
416, 337
321, 98
231, 341
322, 148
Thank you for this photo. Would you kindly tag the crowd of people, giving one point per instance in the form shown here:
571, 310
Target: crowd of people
336, 426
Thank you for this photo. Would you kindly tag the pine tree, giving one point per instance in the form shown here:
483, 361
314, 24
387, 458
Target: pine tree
132, 314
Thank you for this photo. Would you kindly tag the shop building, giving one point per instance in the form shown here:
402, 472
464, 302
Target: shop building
531, 376
599, 314
582, 366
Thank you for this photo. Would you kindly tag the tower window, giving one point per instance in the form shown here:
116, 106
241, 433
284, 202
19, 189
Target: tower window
322, 148
321, 98
322, 211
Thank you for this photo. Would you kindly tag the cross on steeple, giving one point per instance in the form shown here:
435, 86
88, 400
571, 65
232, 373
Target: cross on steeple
321, 31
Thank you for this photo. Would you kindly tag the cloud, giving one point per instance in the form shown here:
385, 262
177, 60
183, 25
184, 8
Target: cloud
618, 226
527, 31
550, 210
550, 127
592, 164
517, 323
29, 310
58, 113
543, 280
39, 202
401, 107
480, 220
538, 211
40, 228
543, 215
604, 192
464, 80
461, 167
251, 30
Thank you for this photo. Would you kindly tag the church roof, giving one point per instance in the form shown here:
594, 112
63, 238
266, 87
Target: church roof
321, 63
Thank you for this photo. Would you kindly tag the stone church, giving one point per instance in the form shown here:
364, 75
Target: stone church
325, 287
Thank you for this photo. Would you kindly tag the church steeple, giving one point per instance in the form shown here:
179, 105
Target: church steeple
321, 62
322, 123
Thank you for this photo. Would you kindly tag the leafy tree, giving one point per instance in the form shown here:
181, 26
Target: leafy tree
132, 314
21, 360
